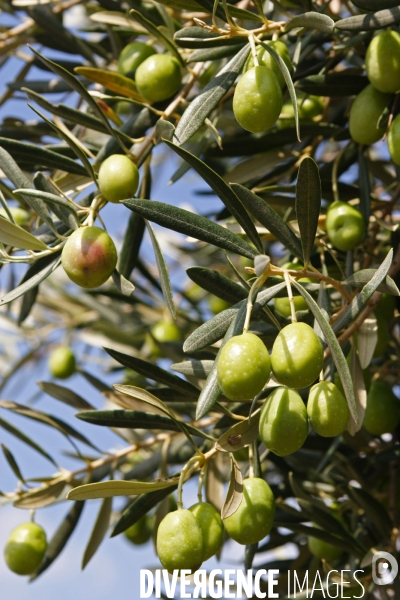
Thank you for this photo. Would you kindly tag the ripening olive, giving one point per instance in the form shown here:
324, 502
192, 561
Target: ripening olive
267, 60
243, 367
283, 422
159, 77
323, 550
253, 520
25, 548
382, 414
365, 113
89, 257
382, 61
327, 409
140, 532
297, 356
345, 225
394, 140
282, 305
211, 527
132, 56
257, 101
62, 362
118, 178
180, 541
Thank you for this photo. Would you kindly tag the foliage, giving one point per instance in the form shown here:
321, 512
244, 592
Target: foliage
275, 187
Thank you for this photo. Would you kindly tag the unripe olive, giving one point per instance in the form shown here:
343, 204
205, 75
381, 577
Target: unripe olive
25, 548
324, 550
217, 305
62, 362
266, 59
282, 305
20, 216
382, 343
254, 518
211, 527
345, 225
297, 356
132, 56
89, 257
382, 414
118, 178
283, 422
257, 101
140, 532
327, 409
394, 140
308, 106
180, 541
243, 367
159, 77
382, 61
165, 331
365, 113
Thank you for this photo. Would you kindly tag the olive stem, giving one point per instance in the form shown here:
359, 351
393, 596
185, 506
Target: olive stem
253, 50
182, 478
335, 169
200, 484
290, 296
251, 458
259, 282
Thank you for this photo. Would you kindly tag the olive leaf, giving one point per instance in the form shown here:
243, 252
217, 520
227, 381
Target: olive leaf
240, 435
99, 530
163, 271
308, 204
16, 236
65, 395
157, 33
377, 20
367, 338
374, 5
37, 273
194, 368
12, 462
311, 20
110, 488
216, 283
25, 439
361, 278
44, 496
124, 86
234, 495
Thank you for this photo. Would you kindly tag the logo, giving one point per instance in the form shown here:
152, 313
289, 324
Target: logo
384, 568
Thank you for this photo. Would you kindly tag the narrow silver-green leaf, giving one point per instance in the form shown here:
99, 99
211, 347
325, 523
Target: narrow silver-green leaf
8, 455
194, 368
360, 278
367, 338
163, 271
44, 496
360, 300
205, 102
66, 214
24, 438
65, 395
288, 80
218, 284
311, 20
375, 5
157, 33
33, 281
269, 218
109, 489
308, 204
240, 435
17, 237
224, 192
234, 495
336, 351
190, 224
52, 199
99, 531
377, 20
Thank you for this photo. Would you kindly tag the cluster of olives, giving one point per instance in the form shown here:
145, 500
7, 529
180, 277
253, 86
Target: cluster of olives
157, 76
186, 538
296, 360
25, 548
382, 64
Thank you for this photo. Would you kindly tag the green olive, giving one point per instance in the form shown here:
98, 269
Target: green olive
266, 59
243, 367
25, 548
365, 113
140, 532
180, 541
89, 256
257, 101
382, 343
62, 362
297, 356
166, 331
211, 527
382, 414
283, 422
309, 107
132, 56
217, 305
394, 140
382, 61
118, 178
327, 409
254, 518
345, 225
159, 77
324, 550
20, 216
